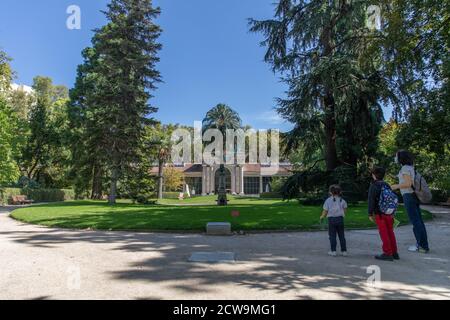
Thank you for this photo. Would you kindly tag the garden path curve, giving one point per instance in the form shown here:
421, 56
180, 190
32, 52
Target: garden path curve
42, 263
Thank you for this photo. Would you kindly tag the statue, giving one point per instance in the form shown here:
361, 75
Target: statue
222, 192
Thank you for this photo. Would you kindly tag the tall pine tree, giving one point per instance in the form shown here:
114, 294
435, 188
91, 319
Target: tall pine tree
87, 130
122, 74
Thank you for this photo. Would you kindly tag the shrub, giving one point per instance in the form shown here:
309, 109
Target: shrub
137, 184
318, 199
353, 197
312, 201
167, 195
38, 195
49, 195
25, 182
173, 179
271, 195
277, 184
440, 196
171, 195
314, 183
7, 193
141, 199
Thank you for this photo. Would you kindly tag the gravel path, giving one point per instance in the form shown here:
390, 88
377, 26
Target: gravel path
42, 263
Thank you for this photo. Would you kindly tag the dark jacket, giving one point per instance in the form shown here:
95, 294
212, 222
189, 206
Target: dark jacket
374, 197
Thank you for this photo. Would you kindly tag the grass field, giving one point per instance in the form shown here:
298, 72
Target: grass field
188, 215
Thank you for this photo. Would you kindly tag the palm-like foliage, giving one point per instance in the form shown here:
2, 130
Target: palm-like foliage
222, 117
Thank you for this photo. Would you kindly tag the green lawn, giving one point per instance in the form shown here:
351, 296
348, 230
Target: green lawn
256, 214
211, 200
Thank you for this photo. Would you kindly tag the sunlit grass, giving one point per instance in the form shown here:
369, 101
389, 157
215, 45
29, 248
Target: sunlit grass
255, 214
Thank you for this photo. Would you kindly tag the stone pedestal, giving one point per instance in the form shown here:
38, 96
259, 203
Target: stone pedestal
218, 228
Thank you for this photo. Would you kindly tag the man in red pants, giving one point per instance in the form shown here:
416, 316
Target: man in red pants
384, 222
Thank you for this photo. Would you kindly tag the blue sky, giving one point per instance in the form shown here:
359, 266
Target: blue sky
208, 55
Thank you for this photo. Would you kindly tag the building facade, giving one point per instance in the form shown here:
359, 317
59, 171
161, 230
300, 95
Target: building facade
247, 179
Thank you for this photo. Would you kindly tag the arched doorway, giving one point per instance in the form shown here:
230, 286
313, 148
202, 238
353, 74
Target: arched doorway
227, 180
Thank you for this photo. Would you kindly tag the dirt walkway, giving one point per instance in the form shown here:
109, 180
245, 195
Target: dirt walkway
40, 263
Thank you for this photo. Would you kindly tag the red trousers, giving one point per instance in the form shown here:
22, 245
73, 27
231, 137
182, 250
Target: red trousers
386, 228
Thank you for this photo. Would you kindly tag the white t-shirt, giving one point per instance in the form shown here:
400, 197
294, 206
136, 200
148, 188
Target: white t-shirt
407, 171
335, 207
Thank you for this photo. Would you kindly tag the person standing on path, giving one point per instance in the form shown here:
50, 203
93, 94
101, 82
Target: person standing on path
334, 209
383, 218
406, 178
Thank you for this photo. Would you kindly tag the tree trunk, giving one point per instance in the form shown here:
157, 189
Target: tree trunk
331, 157
97, 187
160, 179
113, 189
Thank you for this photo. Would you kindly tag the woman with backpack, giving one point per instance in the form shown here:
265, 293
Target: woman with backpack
407, 177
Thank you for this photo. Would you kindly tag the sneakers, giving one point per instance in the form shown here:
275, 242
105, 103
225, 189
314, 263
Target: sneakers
418, 249
396, 256
384, 257
334, 253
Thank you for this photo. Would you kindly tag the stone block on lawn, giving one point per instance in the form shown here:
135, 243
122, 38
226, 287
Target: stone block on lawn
218, 228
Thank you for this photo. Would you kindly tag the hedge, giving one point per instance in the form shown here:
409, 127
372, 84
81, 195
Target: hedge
440, 195
7, 193
271, 195
312, 201
171, 195
38, 195
167, 195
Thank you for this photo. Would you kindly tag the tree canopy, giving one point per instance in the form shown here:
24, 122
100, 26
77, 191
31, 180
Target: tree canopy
222, 117
340, 73
324, 51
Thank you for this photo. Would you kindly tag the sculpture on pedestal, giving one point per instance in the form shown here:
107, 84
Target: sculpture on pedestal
222, 192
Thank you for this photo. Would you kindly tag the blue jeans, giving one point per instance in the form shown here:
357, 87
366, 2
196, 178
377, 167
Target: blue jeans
412, 206
336, 228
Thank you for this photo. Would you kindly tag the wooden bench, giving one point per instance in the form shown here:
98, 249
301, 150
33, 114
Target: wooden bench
15, 200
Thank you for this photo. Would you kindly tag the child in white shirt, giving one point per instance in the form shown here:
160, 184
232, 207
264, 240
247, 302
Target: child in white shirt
334, 209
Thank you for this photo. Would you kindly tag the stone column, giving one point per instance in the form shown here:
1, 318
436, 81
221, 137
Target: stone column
203, 180
261, 187
242, 180
237, 180
212, 181
207, 180
233, 179
211, 169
